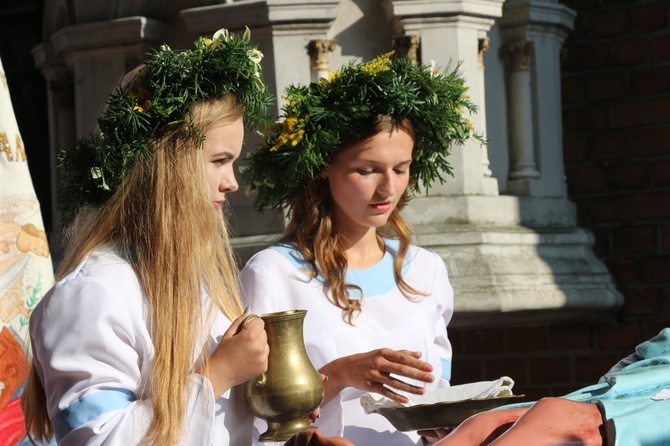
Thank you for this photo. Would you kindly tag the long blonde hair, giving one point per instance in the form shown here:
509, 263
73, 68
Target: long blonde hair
312, 229
162, 221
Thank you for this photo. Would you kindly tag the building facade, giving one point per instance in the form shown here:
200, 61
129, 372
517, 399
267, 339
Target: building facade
516, 225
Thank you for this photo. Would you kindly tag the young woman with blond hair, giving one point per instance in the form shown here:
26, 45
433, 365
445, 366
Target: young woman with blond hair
139, 341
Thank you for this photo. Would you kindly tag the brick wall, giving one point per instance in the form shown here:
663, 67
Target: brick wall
616, 104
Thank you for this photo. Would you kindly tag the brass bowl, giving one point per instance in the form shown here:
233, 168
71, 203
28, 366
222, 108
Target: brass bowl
439, 415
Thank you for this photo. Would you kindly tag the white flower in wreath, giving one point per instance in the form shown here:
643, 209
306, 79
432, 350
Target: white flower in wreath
222, 34
435, 68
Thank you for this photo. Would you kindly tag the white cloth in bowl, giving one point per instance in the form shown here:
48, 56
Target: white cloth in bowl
498, 388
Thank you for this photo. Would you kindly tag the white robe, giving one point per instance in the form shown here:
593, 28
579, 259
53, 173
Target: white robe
274, 280
92, 345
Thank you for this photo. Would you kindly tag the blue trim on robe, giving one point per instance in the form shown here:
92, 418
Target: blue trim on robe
88, 408
446, 369
374, 281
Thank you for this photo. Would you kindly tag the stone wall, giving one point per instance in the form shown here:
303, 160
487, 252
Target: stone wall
616, 115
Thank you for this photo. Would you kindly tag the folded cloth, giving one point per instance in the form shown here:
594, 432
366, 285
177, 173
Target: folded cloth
498, 388
662, 395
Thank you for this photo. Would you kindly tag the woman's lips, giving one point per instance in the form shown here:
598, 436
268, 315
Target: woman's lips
381, 207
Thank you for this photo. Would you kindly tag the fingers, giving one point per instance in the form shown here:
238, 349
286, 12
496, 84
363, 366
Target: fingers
393, 364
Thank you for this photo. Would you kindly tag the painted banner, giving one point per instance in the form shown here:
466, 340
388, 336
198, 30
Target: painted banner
26, 270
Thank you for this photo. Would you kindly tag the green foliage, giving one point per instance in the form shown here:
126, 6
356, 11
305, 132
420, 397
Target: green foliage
319, 116
171, 81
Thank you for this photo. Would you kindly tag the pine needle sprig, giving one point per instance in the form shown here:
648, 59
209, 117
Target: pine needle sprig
170, 82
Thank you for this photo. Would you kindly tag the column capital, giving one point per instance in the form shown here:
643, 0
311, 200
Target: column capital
520, 54
318, 53
407, 46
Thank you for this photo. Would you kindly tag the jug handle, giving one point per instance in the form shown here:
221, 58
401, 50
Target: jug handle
260, 381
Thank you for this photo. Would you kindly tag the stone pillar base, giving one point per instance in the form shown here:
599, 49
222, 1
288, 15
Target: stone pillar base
512, 274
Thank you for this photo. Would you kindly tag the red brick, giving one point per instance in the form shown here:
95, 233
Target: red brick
607, 146
586, 179
611, 208
602, 244
526, 339
650, 142
653, 80
584, 119
573, 149
626, 52
603, 24
649, 17
660, 49
610, 86
653, 205
583, 206
623, 270
549, 370
652, 327
661, 174
515, 368
580, 56
618, 336
630, 113
466, 371
484, 341
633, 239
572, 90
629, 175
570, 337
663, 109
655, 269
589, 370
649, 301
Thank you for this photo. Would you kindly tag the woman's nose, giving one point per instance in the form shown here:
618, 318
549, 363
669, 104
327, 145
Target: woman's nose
229, 184
386, 185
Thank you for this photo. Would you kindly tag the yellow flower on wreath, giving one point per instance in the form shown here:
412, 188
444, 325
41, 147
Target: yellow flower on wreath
378, 65
141, 99
289, 134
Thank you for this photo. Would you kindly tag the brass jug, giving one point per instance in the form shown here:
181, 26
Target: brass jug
291, 388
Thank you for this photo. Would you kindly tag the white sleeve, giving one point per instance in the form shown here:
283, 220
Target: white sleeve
91, 348
260, 286
444, 296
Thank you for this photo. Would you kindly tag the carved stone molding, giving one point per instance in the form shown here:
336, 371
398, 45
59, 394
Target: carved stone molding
484, 43
520, 54
318, 54
407, 46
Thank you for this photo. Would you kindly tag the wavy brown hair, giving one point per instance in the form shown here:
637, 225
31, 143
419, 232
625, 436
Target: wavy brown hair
161, 220
312, 229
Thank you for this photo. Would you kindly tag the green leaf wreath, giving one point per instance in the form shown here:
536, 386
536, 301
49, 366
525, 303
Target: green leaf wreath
319, 115
171, 81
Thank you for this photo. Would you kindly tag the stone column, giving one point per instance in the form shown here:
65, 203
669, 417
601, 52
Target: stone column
511, 259
523, 167
318, 56
533, 32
